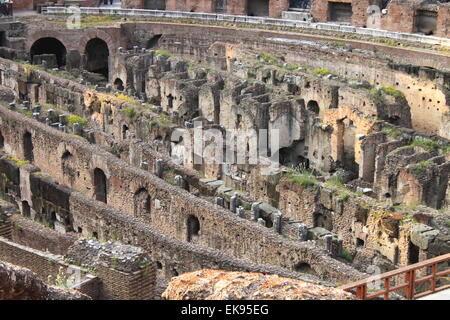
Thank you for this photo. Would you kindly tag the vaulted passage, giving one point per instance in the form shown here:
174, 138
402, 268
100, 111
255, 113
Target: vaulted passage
142, 203
49, 46
258, 8
28, 146
100, 185
97, 57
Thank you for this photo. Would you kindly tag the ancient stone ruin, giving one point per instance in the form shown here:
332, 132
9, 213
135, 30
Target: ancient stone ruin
142, 154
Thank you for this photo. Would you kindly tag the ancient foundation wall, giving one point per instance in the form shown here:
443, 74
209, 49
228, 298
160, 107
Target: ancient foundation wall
170, 207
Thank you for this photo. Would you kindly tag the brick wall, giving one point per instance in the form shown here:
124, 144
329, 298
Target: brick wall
43, 264
117, 285
34, 235
443, 21
109, 283
175, 205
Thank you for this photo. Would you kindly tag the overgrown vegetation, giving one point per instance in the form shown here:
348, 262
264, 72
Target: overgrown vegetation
422, 166
125, 98
393, 92
71, 119
19, 162
321, 72
303, 177
427, 144
392, 132
130, 112
162, 52
336, 180
347, 255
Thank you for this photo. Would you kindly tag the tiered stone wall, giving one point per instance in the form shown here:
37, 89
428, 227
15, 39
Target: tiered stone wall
170, 206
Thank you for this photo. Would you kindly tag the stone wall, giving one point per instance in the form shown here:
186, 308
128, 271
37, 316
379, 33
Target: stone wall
17, 283
34, 235
47, 266
171, 205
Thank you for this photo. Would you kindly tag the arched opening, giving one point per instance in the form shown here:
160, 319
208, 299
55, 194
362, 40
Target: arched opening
100, 185
258, 8
313, 106
303, 267
170, 99
48, 46
153, 42
359, 242
124, 131
2, 141
142, 203
67, 166
26, 210
28, 146
97, 57
118, 84
193, 228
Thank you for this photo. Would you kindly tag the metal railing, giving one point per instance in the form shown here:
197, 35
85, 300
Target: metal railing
409, 283
256, 20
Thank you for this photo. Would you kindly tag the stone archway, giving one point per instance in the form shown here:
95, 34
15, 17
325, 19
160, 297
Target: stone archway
100, 185
97, 57
49, 45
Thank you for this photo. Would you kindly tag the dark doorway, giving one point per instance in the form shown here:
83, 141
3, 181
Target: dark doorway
258, 8
155, 4
28, 147
118, 84
193, 228
49, 46
97, 57
299, 4
413, 256
303, 267
153, 42
323, 218
425, 21
142, 203
340, 12
100, 185
2, 141
220, 6
313, 106
26, 210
